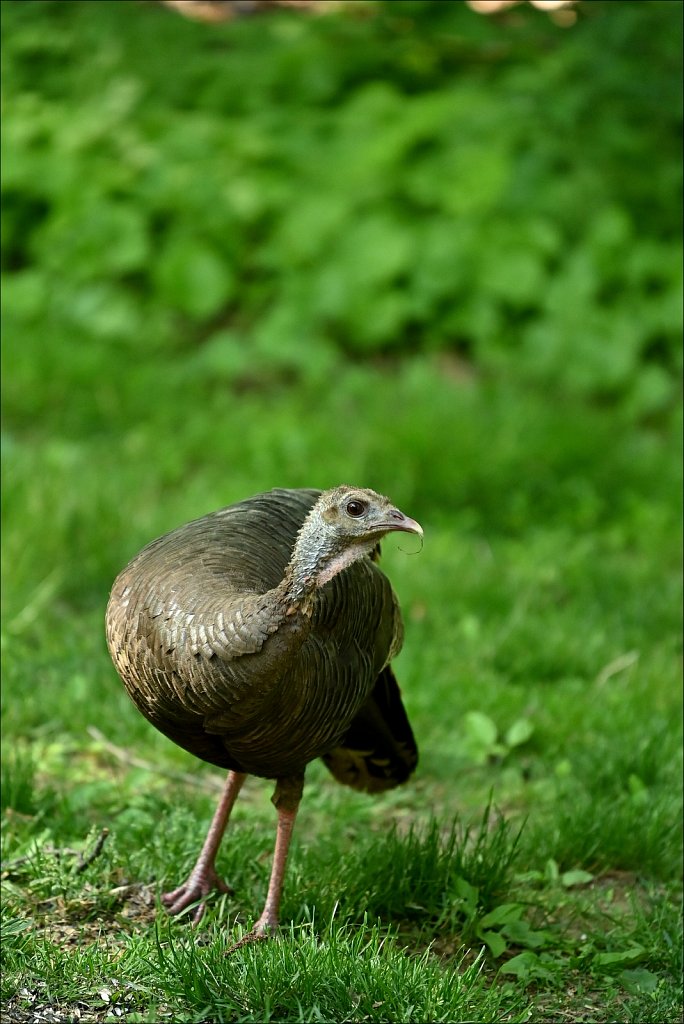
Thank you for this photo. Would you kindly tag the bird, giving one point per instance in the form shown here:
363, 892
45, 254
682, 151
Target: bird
259, 638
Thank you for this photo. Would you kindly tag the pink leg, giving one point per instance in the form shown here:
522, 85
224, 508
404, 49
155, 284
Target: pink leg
268, 922
286, 798
203, 878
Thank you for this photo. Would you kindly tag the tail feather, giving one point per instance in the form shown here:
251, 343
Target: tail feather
378, 751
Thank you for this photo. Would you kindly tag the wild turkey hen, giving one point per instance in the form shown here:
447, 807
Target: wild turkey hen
259, 638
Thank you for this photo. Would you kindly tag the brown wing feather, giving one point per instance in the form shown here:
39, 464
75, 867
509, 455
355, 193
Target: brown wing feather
246, 698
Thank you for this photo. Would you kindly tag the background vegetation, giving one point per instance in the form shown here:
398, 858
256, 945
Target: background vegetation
403, 246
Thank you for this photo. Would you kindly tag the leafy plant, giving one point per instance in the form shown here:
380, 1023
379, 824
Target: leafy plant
421, 194
482, 742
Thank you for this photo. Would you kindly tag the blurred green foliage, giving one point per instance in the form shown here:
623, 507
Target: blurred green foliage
209, 207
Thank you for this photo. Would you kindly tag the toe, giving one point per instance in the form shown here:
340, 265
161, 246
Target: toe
169, 898
248, 939
197, 887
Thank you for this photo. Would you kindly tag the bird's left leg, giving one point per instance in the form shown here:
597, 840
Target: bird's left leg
287, 795
203, 877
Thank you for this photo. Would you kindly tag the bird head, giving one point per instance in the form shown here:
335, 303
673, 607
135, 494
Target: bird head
353, 515
345, 524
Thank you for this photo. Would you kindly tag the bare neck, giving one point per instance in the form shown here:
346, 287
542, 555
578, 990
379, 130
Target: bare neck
317, 557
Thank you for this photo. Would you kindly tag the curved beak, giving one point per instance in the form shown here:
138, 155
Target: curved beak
396, 520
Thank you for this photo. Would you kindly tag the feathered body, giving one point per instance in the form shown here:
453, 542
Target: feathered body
265, 700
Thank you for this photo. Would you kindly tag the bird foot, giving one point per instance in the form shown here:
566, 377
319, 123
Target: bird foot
265, 928
197, 887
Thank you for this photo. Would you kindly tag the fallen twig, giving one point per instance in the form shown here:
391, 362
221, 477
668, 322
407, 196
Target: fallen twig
618, 664
64, 851
125, 756
83, 862
49, 851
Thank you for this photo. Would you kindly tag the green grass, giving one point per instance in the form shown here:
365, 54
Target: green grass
531, 869
541, 672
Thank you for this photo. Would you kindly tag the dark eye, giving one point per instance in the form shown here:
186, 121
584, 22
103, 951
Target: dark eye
356, 508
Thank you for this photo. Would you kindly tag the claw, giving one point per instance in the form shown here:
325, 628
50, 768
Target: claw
198, 886
265, 928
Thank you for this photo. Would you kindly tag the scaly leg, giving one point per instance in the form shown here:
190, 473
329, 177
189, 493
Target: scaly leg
286, 798
203, 878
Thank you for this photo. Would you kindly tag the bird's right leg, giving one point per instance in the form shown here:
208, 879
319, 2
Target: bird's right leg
286, 798
203, 878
